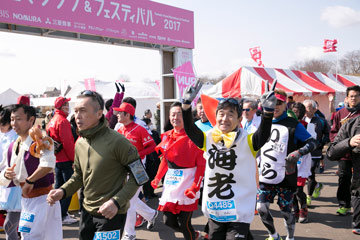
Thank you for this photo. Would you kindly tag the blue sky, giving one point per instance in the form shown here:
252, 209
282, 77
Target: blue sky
286, 31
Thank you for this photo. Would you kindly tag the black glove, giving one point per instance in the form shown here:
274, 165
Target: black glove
118, 86
268, 99
291, 161
190, 92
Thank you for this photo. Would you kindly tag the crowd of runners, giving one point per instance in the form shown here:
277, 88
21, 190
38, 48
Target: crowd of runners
231, 157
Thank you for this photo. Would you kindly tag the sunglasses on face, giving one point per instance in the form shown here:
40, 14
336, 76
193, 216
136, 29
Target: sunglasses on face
95, 95
247, 109
278, 103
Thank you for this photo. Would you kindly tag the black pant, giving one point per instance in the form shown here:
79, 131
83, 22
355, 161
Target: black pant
311, 179
151, 167
343, 192
355, 202
181, 223
229, 230
63, 172
90, 224
299, 198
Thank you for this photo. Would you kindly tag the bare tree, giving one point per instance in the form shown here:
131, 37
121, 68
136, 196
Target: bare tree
314, 65
213, 80
350, 63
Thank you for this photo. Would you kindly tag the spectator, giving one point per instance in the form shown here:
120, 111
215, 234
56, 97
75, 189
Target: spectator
157, 118
230, 174
179, 156
25, 100
145, 145
59, 129
203, 122
319, 130
11, 195
251, 121
35, 176
275, 179
351, 110
147, 114
103, 159
111, 103
347, 143
290, 102
304, 171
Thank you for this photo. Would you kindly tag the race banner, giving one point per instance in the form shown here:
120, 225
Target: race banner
184, 76
255, 53
90, 84
134, 20
329, 45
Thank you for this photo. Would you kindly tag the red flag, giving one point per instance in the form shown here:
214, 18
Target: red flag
329, 45
255, 53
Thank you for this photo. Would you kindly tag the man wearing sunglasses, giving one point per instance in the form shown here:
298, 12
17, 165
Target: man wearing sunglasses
277, 166
229, 194
251, 121
103, 159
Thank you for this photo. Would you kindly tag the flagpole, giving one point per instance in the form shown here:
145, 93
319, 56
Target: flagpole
336, 67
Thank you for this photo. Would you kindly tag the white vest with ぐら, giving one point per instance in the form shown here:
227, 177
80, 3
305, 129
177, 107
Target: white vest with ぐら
273, 154
229, 193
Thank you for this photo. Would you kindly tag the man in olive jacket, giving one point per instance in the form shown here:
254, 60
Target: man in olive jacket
101, 164
347, 142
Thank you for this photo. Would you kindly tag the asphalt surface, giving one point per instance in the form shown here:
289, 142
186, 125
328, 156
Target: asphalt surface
323, 223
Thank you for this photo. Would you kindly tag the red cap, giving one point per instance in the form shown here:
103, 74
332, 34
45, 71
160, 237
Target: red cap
23, 100
280, 97
61, 101
126, 107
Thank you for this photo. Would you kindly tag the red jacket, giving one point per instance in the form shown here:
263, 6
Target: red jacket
59, 129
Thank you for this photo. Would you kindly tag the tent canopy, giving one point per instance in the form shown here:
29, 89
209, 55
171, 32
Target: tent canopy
9, 97
250, 82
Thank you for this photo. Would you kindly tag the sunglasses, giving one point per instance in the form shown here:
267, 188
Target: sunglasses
278, 103
95, 95
247, 109
232, 101
229, 100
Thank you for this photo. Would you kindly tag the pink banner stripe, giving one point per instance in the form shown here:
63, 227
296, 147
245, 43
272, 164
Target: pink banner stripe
143, 21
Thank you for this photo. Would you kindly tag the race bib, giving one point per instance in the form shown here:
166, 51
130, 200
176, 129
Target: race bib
110, 235
26, 222
174, 176
222, 211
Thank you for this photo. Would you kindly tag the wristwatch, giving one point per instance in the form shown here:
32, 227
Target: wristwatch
29, 182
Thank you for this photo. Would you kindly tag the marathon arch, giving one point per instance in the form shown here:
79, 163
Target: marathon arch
131, 23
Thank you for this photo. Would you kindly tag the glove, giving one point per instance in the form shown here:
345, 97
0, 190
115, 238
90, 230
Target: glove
155, 183
190, 92
291, 161
268, 99
191, 191
118, 86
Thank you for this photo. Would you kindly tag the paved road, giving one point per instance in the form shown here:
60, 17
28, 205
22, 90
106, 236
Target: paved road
323, 223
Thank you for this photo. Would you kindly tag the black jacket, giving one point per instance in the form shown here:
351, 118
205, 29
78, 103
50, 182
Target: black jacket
341, 146
322, 134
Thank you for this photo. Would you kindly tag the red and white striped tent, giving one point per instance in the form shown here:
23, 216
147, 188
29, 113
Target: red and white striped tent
250, 81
